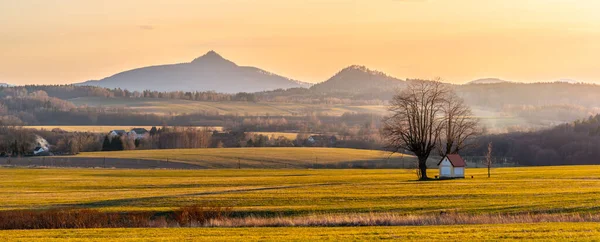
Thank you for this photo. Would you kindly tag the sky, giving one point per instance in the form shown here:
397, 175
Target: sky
68, 41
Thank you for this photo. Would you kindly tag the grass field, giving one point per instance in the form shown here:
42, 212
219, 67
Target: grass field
516, 232
167, 106
267, 157
100, 128
569, 189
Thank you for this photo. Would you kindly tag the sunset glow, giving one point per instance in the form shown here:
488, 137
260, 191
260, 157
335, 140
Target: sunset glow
67, 41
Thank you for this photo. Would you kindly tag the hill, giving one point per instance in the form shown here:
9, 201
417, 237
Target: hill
210, 72
488, 81
358, 79
266, 157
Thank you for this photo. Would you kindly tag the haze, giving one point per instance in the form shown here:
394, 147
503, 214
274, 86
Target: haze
67, 41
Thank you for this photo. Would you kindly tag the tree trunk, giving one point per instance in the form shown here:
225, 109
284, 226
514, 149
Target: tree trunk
423, 168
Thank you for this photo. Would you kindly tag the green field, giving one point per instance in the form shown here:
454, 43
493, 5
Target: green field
516, 232
267, 157
568, 189
176, 106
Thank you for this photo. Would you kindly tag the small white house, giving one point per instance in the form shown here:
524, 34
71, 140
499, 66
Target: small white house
452, 166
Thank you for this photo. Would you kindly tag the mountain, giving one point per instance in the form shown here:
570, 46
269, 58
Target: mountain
487, 81
358, 79
210, 72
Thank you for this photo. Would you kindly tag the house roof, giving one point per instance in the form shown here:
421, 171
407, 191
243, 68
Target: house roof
455, 160
140, 130
120, 131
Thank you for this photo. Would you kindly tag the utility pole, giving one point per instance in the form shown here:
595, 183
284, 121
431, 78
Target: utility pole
488, 159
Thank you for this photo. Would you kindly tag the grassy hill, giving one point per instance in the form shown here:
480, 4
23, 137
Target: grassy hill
266, 157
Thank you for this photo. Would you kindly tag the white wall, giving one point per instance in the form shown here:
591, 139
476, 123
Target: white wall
459, 172
445, 168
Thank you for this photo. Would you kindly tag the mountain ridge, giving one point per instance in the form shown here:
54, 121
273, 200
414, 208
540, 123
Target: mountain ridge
209, 72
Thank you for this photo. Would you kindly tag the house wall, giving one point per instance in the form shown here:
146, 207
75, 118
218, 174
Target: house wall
445, 168
459, 172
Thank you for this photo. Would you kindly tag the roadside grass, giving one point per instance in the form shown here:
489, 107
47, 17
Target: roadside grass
494, 232
267, 157
301, 192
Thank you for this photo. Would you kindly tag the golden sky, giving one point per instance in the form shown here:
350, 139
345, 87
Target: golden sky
66, 41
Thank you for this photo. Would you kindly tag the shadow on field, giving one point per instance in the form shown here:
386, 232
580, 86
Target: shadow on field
133, 201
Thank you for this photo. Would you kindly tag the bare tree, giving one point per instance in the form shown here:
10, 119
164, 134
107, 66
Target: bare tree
416, 120
460, 125
488, 158
427, 115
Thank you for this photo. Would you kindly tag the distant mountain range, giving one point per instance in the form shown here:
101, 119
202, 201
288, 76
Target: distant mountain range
210, 72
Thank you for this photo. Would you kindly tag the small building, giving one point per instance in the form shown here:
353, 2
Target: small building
139, 133
114, 133
452, 166
322, 140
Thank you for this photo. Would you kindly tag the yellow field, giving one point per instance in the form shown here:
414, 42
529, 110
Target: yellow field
568, 189
553, 191
266, 157
290, 136
100, 128
494, 232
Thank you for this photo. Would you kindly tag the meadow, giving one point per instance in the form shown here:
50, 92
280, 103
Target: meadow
300, 192
267, 157
527, 203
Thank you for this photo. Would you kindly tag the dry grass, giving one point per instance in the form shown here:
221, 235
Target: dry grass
395, 219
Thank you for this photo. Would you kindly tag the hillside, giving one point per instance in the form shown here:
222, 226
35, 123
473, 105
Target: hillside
358, 79
488, 81
210, 72
267, 157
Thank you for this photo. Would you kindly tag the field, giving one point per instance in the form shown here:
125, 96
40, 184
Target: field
516, 232
99, 128
531, 194
176, 106
569, 189
266, 157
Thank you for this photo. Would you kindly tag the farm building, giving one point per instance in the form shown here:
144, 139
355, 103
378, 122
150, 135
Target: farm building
139, 133
452, 166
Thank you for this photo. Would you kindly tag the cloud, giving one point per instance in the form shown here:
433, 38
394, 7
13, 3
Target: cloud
146, 27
